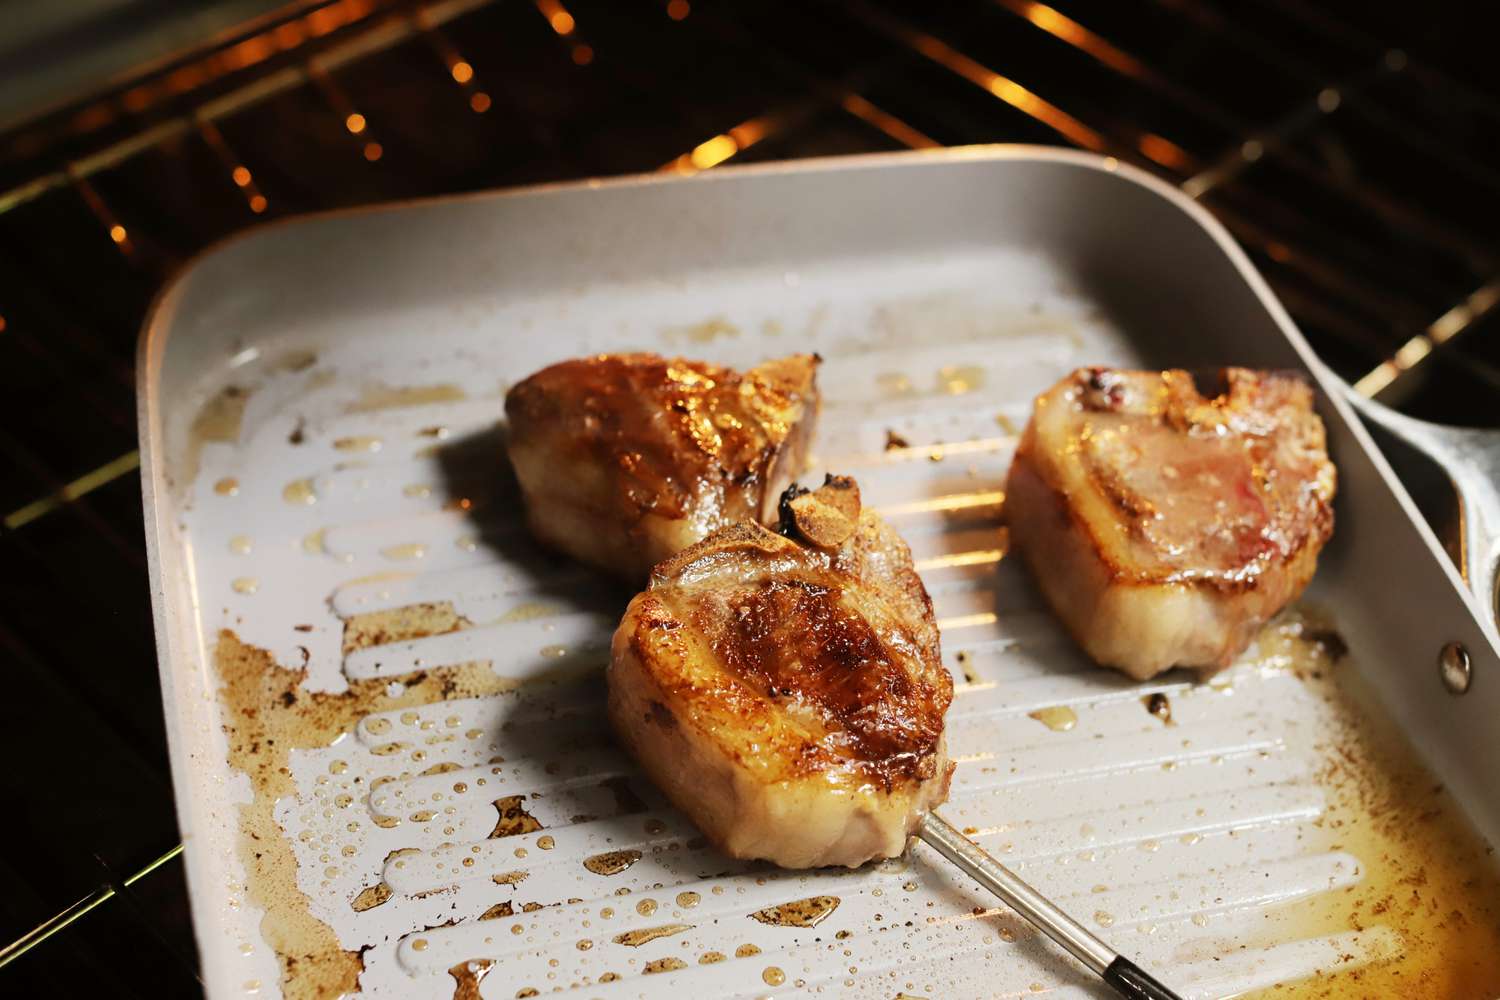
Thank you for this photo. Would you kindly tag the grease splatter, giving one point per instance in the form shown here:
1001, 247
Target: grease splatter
799, 912
611, 862
1058, 718
636, 938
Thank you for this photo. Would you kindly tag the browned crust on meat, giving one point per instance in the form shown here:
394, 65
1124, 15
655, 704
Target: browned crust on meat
1186, 408
875, 692
623, 458
664, 427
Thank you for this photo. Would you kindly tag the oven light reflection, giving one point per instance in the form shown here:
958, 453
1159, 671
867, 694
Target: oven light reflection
249, 52
238, 172
1061, 26
557, 16
1007, 90
713, 152
1164, 152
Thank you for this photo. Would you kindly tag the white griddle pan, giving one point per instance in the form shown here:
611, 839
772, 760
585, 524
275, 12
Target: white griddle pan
318, 398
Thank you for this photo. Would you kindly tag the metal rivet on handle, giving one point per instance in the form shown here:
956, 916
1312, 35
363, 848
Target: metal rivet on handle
1453, 665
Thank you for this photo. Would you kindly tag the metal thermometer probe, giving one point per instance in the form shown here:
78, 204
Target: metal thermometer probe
1127, 978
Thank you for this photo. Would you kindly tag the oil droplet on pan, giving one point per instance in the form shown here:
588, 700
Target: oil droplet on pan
1058, 718
955, 380
411, 550
300, 491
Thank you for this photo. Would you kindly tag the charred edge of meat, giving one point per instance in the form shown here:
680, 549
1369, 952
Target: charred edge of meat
786, 517
823, 518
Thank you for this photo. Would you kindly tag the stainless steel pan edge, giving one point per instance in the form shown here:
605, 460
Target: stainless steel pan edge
1396, 597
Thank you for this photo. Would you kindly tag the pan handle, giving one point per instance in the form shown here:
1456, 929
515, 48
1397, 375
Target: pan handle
1470, 457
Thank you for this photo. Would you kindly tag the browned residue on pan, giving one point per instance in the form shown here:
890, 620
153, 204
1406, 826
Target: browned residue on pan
504, 909
468, 975
510, 878
799, 912
965, 661
379, 893
1425, 873
640, 936
221, 417
513, 819
219, 420
413, 621
704, 332
268, 715
376, 895
389, 397
611, 862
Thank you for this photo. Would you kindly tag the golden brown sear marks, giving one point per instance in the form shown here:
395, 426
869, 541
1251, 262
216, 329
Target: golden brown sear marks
1216, 490
805, 644
625, 459
789, 698
1165, 526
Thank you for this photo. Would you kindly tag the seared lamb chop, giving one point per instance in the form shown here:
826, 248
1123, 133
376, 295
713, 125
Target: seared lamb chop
788, 693
1163, 527
626, 459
